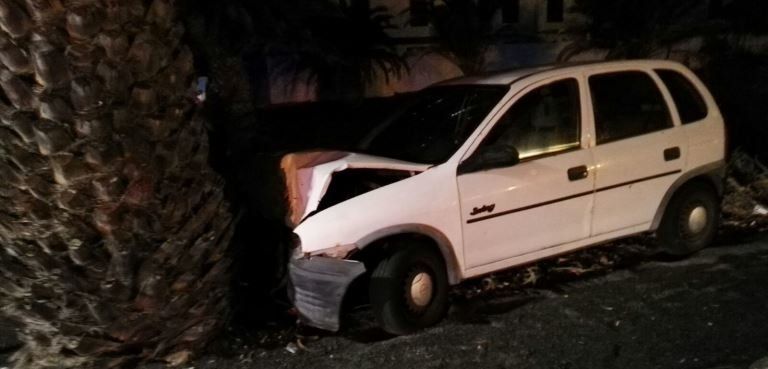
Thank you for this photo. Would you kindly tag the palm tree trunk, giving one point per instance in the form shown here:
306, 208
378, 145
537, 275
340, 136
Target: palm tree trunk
113, 228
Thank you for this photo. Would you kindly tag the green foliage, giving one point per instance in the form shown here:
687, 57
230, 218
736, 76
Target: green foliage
742, 17
339, 46
641, 28
635, 28
738, 77
342, 49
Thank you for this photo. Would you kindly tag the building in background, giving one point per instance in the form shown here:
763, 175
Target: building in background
523, 33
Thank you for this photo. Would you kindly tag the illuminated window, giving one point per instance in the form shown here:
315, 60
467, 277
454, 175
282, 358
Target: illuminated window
555, 10
510, 11
420, 12
544, 121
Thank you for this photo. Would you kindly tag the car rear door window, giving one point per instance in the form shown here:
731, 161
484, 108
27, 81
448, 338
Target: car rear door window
627, 104
690, 104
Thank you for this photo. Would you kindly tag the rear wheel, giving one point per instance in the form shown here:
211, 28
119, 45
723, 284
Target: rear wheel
690, 220
409, 290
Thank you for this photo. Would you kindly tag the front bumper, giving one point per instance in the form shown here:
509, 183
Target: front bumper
319, 285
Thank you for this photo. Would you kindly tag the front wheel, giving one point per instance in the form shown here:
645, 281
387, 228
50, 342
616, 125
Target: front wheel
690, 220
409, 290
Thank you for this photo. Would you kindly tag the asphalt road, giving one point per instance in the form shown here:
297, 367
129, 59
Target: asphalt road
706, 312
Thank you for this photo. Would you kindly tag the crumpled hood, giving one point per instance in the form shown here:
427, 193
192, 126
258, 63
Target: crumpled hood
308, 175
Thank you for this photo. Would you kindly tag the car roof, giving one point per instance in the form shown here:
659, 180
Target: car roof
507, 77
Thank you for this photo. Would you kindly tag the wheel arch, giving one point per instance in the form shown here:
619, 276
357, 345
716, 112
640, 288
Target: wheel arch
376, 245
711, 175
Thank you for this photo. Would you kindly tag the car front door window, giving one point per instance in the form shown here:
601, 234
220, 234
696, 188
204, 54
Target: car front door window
544, 121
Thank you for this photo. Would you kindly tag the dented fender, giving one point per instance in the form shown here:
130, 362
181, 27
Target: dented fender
308, 176
412, 205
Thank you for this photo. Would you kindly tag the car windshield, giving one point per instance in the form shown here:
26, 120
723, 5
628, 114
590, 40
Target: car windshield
433, 123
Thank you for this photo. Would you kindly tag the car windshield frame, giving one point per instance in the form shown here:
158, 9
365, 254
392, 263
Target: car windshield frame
433, 123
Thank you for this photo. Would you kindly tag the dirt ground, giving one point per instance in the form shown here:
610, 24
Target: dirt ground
707, 312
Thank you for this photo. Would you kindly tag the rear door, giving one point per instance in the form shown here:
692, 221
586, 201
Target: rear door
640, 150
699, 117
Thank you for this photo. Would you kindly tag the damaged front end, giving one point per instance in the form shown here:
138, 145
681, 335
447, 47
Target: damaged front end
319, 272
317, 180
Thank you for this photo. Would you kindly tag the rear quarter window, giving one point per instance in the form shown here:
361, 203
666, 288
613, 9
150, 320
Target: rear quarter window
627, 104
690, 104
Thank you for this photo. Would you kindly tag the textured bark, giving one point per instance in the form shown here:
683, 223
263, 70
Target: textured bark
113, 228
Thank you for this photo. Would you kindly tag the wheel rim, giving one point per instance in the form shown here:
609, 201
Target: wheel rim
697, 219
420, 290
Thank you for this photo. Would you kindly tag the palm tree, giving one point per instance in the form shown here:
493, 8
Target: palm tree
640, 28
233, 40
341, 48
637, 28
741, 17
113, 228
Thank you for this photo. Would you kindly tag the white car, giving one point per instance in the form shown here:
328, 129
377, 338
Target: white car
484, 173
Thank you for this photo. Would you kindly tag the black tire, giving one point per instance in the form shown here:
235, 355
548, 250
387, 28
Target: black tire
676, 234
390, 290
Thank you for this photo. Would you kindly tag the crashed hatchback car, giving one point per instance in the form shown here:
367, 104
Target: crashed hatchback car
479, 174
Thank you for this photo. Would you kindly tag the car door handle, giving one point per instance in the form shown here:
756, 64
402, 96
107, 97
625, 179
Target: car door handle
672, 153
577, 173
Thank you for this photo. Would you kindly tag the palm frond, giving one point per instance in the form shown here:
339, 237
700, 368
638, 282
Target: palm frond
346, 47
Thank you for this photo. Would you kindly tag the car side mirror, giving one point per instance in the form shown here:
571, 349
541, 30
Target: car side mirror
490, 157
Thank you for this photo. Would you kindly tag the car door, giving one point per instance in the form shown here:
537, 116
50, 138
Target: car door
543, 201
639, 151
